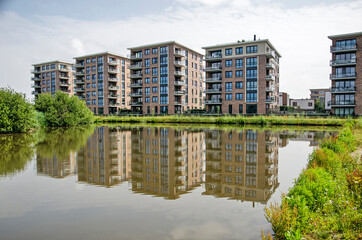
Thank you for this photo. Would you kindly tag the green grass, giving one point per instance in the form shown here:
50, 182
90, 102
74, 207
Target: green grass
240, 120
326, 200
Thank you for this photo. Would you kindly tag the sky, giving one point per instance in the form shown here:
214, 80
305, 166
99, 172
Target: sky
43, 30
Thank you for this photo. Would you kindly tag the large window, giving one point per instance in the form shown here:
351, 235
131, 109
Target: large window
239, 73
252, 62
228, 96
239, 63
251, 97
239, 85
228, 87
239, 50
147, 99
252, 49
147, 51
154, 50
163, 50
155, 99
163, 60
228, 63
164, 80
147, 71
147, 80
155, 89
163, 70
228, 74
154, 71
228, 51
154, 80
251, 85
147, 91
251, 74
239, 96
344, 43
147, 62
154, 60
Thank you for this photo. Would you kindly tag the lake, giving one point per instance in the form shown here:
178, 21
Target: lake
147, 182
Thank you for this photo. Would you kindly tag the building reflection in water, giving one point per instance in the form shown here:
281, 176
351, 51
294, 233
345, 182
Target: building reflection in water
56, 167
166, 162
241, 165
105, 160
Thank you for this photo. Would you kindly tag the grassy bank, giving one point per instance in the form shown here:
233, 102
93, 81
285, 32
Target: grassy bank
241, 120
326, 200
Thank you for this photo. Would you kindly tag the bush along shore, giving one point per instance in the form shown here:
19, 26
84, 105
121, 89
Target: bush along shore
239, 119
326, 200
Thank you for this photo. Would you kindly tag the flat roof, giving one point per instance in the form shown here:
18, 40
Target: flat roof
238, 43
54, 61
99, 54
311, 89
355, 34
163, 43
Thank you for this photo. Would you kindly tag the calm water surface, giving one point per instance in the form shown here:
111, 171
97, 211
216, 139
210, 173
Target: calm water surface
146, 182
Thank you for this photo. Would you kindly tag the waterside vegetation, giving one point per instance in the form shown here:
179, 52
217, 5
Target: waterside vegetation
326, 200
299, 120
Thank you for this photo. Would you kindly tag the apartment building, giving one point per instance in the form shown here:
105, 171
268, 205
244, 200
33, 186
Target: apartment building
319, 94
56, 167
52, 76
166, 162
346, 76
241, 165
166, 78
242, 77
101, 81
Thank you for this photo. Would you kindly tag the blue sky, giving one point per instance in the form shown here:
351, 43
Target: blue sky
40, 30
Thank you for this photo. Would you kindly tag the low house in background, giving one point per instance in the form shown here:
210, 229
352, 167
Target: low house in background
319, 94
302, 104
283, 99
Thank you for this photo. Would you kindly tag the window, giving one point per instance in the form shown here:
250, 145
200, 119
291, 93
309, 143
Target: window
251, 62
164, 80
47, 67
94, 101
163, 60
147, 80
88, 85
251, 85
163, 100
147, 91
164, 90
88, 102
240, 108
154, 71
252, 49
239, 73
310, 104
154, 80
228, 168
228, 63
88, 60
87, 77
239, 50
147, 51
154, 50
93, 60
147, 62
228, 87
155, 99
251, 74
94, 93
239, 85
147, 99
52, 66
147, 71
88, 69
239, 63
155, 89
154, 60
239, 96
100, 59
164, 70
228, 97
93, 68
94, 85
251, 97
228, 74
228, 51
93, 77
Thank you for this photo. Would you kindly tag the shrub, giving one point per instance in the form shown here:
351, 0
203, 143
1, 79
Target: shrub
62, 110
16, 113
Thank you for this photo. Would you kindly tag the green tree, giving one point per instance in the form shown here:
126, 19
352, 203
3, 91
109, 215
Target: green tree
318, 105
61, 110
16, 113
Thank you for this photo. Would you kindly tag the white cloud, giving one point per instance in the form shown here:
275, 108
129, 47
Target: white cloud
300, 35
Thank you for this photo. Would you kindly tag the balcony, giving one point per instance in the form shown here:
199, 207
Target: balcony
270, 100
179, 83
113, 96
270, 66
180, 63
113, 88
79, 65
36, 79
135, 103
179, 53
79, 89
270, 54
270, 88
63, 77
35, 92
116, 104
213, 57
178, 103
213, 69
64, 84
113, 62
136, 84
179, 93
346, 48
343, 89
79, 73
81, 97
213, 80
136, 75
213, 101
270, 77
113, 70
79, 81
350, 103
136, 66
180, 73
36, 71
136, 94
344, 62
213, 90
343, 76
136, 56
35, 85
113, 79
